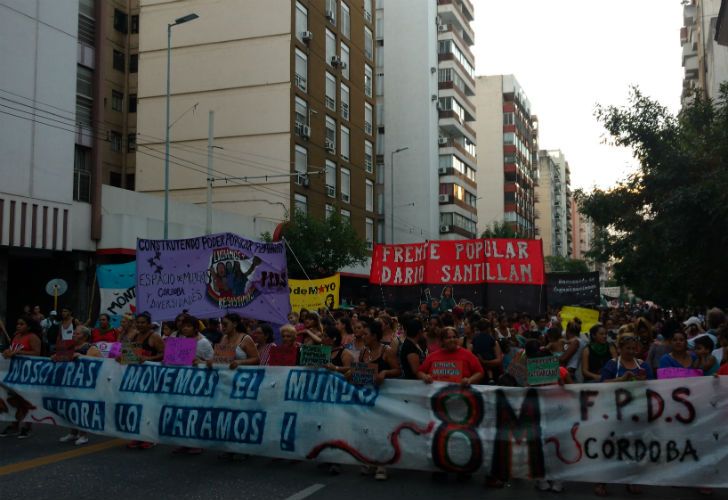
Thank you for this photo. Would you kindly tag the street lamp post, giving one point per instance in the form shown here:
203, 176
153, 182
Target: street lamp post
180, 20
391, 194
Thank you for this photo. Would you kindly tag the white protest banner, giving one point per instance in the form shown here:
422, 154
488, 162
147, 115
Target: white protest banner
664, 432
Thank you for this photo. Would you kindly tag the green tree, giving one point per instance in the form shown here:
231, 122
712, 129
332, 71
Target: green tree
500, 230
322, 246
665, 225
559, 264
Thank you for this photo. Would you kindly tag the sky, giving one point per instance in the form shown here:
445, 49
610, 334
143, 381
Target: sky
569, 55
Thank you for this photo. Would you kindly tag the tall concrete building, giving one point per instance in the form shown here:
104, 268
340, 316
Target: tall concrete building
704, 58
291, 85
553, 208
426, 143
582, 231
507, 157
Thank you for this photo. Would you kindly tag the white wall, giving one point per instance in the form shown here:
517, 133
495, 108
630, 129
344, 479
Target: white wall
38, 61
411, 119
489, 130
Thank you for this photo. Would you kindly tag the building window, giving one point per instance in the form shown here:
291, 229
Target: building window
132, 103
301, 112
344, 101
345, 21
82, 174
368, 11
135, 24
368, 118
344, 61
117, 100
330, 141
331, 11
379, 25
84, 82
368, 43
301, 20
301, 203
380, 56
509, 138
131, 142
118, 61
329, 210
330, 179
115, 179
84, 111
301, 70
380, 114
379, 84
133, 63
368, 157
369, 196
508, 119
86, 26
369, 232
346, 215
301, 164
345, 185
345, 142
115, 140
120, 21
368, 80
330, 97
330, 46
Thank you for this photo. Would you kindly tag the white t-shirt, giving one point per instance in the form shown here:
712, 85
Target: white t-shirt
718, 354
66, 333
204, 349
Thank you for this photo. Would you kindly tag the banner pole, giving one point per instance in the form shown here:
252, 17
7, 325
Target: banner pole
93, 296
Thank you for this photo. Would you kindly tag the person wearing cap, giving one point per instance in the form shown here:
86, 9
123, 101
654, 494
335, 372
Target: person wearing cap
714, 319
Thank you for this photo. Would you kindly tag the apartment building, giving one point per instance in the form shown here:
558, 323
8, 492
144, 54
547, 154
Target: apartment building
426, 142
508, 155
291, 85
554, 204
704, 58
582, 231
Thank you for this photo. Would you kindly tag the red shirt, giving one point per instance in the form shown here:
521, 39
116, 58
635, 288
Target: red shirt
464, 360
110, 335
723, 370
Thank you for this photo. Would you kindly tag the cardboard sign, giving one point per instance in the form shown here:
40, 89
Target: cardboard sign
315, 355
180, 351
130, 354
283, 356
447, 371
517, 370
315, 294
542, 371
363, 373
109, 349
678, 372
224, 354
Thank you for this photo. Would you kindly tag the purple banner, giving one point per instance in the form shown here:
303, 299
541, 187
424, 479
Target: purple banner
210, 276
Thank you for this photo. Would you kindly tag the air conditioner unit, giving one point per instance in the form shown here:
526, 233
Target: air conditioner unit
306, 36
444, 229
343, 66
442, 170
442, 141
329, 145
433, 97
439, 106
330, 15
331, 191
305, 131
335, 60
301, 179
442, 27
345, 110
444, 198
345, 197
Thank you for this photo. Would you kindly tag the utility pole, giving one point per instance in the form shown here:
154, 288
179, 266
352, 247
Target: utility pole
210, 146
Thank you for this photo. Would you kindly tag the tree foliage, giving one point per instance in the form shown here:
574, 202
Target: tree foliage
665, 225
559, 264
500, 230
322, 247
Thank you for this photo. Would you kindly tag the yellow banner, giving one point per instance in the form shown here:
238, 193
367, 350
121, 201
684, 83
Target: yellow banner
588, 317
313, 294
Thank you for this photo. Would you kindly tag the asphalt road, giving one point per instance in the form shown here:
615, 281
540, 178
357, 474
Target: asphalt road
42, 468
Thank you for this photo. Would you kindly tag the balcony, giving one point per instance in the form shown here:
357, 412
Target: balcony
451, 31
446, 171
458, 150
449, 56
457, 12
451, 123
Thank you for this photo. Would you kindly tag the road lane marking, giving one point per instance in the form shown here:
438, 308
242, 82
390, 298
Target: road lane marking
305, 493
59, 457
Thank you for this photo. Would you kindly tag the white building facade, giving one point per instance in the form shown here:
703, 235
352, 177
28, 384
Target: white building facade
426, 144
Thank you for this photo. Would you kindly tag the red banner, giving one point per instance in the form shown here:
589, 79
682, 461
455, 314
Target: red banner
459, 262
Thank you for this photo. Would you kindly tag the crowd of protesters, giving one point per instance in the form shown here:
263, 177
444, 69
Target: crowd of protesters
629, 343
